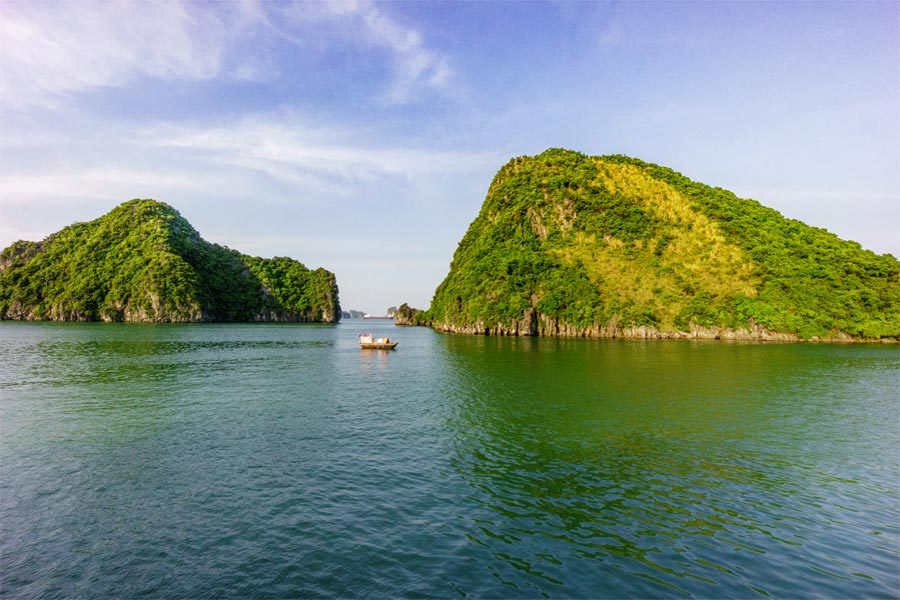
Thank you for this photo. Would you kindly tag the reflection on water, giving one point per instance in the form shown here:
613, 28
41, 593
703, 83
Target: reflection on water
262, 461
374, 359
692, 469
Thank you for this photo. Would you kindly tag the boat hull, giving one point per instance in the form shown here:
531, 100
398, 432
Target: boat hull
373, 346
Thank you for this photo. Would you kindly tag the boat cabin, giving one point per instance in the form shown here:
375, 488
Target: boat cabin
367, 341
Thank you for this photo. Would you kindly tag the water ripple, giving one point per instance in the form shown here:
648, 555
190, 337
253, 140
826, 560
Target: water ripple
253, 461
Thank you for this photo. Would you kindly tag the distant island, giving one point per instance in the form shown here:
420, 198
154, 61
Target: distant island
143, 262
567, 244
407, 315
404, 315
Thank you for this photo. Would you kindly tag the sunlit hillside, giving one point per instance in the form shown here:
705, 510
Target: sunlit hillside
569, 244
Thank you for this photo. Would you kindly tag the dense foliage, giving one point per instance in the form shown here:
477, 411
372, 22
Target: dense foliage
407, 315
144, 262
294, 288
591, 241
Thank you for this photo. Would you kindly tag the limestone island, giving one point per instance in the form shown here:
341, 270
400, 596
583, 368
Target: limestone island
610, 246
143, 262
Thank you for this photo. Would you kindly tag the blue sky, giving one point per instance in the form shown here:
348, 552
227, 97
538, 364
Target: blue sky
362, 136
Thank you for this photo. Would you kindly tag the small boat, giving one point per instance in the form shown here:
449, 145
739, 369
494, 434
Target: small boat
366, 341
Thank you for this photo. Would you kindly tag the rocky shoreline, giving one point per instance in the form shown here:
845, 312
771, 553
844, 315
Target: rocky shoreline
538, 325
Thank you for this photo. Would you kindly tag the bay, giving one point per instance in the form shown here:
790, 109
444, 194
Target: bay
273, 460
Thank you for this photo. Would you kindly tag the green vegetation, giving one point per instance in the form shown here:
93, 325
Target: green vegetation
144, 262
592, 242
407, 315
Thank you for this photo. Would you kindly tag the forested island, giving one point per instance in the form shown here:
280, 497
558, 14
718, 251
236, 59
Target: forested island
143, 262
567, 244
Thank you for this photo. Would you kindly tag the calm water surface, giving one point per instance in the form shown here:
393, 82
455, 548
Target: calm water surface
280, 460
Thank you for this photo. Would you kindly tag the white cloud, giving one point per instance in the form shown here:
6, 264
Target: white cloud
416, 68
286, 148
279, 156
52, 50
64, 184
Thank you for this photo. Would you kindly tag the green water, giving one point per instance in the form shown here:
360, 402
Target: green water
280, 460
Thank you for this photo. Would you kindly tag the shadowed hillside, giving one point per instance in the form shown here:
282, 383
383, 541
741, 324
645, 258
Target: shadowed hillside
143, 262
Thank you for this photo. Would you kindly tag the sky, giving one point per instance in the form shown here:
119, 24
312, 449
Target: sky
362, 136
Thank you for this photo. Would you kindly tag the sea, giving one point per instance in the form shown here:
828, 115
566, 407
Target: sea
282, 461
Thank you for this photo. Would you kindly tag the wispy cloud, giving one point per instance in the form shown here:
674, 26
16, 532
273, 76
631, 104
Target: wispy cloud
53, 50
416, 67
274, 183
282, 155
284, 146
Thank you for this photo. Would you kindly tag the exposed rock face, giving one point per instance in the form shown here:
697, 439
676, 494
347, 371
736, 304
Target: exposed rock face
535, 324
406, 315
549, 327
18, 253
